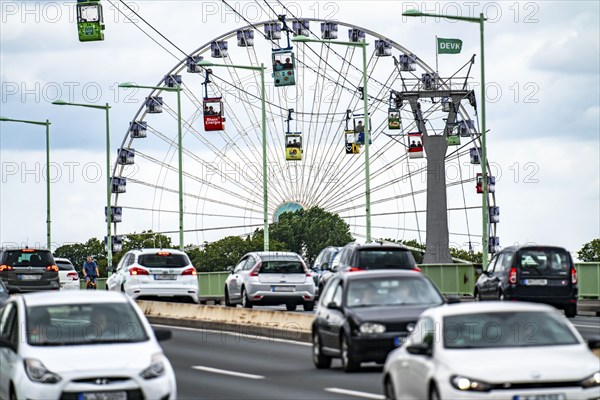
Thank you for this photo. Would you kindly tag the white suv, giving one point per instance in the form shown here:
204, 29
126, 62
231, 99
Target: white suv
155, 273
68, 277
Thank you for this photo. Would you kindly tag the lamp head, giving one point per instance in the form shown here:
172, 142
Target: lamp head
301, 39
205, 63
127, 85
60, 102
412, 13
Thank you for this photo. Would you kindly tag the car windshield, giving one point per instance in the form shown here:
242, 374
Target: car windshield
506, 329
77, 324
161, 260
282, 267
28, 257
544, 262
385, 258
64, 266
392, 292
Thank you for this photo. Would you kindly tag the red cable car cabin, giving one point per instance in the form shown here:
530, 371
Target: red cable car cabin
213, 114
415, 145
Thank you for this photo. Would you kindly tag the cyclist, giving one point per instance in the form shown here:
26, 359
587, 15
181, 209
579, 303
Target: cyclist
90, 272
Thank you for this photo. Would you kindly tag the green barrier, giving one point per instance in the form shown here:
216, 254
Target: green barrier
588, 277
212, 284
456, 279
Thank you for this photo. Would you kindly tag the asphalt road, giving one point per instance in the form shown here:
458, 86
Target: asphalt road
220, 365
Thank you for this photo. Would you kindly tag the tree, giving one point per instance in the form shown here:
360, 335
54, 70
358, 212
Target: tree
77, 253
590, 252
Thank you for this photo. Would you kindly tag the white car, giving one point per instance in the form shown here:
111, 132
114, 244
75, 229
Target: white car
67, 276
81, 345
496, 350
155, 273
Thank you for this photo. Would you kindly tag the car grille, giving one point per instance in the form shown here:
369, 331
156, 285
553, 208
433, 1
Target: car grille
534, 385
398, 326
105, 380
131, 395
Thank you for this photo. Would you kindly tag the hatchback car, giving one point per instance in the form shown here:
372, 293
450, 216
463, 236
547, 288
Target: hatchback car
541, 274
323, 263
28, 270
270, 278
359, 257
495, 350
81, 345
148, 273
68, 277
363, 316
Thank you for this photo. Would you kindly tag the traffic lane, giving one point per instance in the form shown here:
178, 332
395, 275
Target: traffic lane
262, 368
588, 326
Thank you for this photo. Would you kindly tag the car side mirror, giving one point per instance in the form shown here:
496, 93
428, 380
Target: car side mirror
162, 334
452, 299
422, 349
594, 343
229, 268
333, 305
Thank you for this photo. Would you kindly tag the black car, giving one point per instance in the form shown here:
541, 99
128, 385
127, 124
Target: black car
358, 257
542, 274
28, 270
323, 263
363, 316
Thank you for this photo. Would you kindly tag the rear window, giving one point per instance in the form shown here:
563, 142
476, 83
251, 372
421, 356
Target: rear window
282, 267
166, 260
544, 262
385, 258
28, 257
64, 266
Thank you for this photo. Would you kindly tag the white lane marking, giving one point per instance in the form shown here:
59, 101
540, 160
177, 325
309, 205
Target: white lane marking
354, 393
237, 334
226, 372
585, 326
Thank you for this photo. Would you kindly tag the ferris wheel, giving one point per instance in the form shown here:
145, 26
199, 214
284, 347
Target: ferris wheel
315, 139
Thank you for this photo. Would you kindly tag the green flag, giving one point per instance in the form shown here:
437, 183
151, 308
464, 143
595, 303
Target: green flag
448, 46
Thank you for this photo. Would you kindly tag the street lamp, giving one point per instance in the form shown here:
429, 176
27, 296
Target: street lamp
108, 207
177, 89
363, 44
47, 124
261, 69
484, 183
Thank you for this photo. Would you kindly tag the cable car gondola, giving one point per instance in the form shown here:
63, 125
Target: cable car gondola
491, 183
415, 145
393, 118
283, 67
90, 20
350, 144
212, 108
293, 141
359, 129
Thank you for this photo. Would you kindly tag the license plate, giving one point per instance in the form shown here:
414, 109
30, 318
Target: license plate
30, 277
104, 396
283, 288
400, 340
164, 277
552, 396
536, 282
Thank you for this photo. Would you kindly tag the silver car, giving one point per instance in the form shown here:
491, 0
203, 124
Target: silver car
271, 278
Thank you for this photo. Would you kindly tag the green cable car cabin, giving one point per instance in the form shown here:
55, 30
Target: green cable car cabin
90, 22
393, 118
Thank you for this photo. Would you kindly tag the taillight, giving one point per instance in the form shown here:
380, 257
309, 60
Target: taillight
52, 268
73, 275
255, 270
189, 271
512, 276
416, 269
138, 271
573, 276
6, 268
355, 269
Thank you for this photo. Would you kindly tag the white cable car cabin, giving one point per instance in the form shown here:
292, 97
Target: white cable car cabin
415, 145
293, 146
284, 67
491, 183
213, 114
154, 105
350, 142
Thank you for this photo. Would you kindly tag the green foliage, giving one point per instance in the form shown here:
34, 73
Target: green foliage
77, 253
590, 252
454, 252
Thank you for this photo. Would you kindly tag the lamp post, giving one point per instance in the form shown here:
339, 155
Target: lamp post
47, 124
261, 69
484, 183
106, 108
363, 45
177, 89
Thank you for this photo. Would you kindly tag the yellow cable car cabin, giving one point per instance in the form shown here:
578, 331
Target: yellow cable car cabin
293, 146
284, 65
213, 114
90, 24
415, 145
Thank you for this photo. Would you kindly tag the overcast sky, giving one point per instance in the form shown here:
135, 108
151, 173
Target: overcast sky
543, 111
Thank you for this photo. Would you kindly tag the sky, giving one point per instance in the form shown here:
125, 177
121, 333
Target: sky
542, 64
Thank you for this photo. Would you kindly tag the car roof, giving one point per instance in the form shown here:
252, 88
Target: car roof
59, 259
52, 297
376, 246
156, 250
381, 273
22, 248
533, 247
487, 307
263, 254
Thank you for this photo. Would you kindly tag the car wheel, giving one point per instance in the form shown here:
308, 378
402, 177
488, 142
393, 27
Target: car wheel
309, 306
571, 311
388, 389
291, 306
321, 361
477, 296
246, 303
228, 302
434, 394
349, 363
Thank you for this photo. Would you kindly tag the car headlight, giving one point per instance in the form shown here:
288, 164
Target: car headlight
371, 328
37, 372
591, 381
467, 384
156, 368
